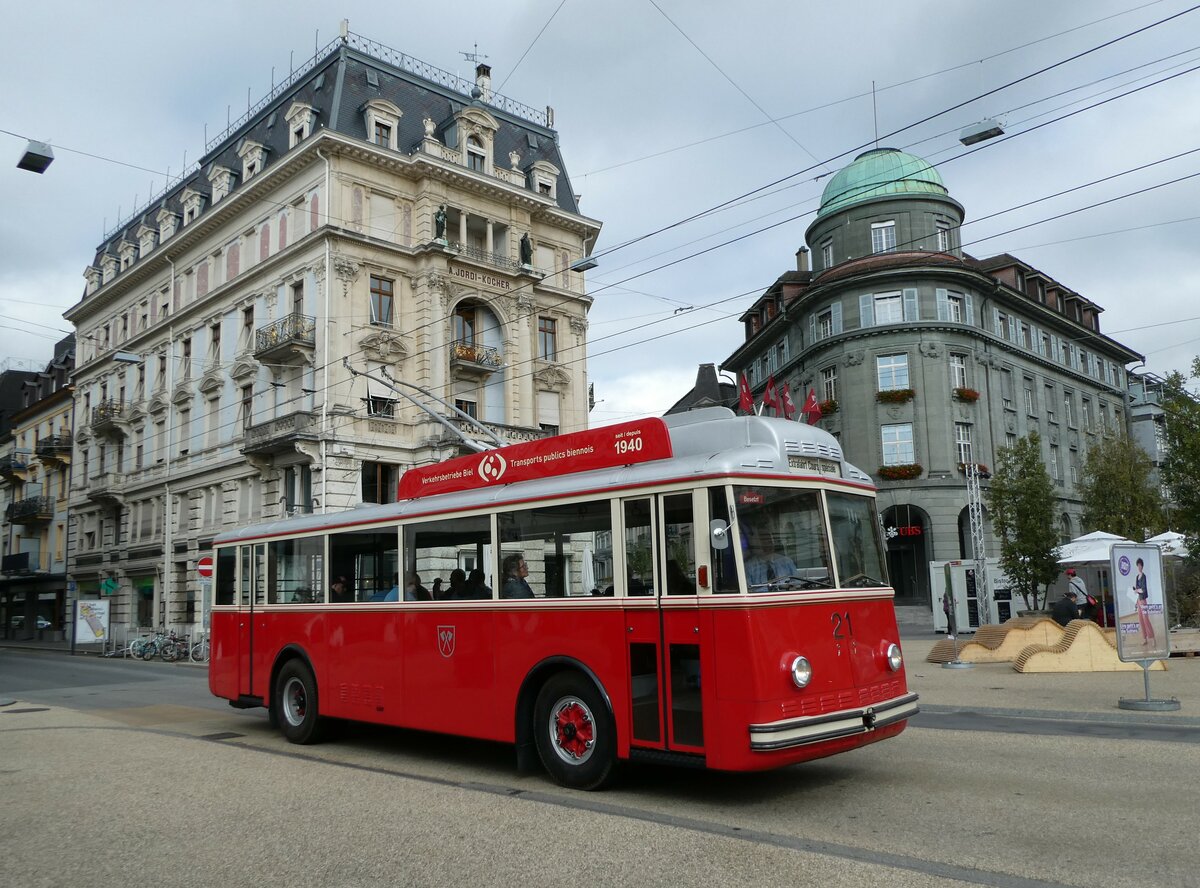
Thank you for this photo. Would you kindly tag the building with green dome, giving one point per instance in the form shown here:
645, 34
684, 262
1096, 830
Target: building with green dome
926, 359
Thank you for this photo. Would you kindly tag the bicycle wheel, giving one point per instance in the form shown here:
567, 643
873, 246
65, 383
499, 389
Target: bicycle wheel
136, 647
169, 653
149, 650
199, 652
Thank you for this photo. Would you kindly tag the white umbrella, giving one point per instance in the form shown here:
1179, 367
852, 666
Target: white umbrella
1173, 545
1091, 548
588, 572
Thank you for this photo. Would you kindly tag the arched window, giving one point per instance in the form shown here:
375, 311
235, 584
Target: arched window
1065, 535
475, 154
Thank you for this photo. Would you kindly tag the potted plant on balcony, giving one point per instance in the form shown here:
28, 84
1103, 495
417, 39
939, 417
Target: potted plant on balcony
904, 472
966, 395
981, 468
828, 407
895, 396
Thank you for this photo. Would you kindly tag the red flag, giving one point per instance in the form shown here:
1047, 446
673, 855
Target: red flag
789, 406
812, 410
771, 395
745, 399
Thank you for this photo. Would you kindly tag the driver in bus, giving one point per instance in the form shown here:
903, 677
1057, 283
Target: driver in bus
764, 562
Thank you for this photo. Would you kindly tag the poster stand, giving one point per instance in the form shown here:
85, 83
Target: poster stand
1147, 704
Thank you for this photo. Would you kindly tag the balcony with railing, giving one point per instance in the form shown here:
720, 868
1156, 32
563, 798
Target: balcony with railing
474, 358
33, 510
290, 339
110, 418
107, 489
13, 464
280, 435
56, 449
507, 433
497, 260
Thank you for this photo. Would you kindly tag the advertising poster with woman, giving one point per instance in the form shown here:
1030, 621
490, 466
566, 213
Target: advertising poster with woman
1140, 602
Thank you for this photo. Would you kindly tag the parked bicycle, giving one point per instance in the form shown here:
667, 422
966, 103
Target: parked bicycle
199, 651
173, 647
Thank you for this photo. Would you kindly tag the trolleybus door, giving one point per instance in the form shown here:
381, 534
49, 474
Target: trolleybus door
661, 619
253, 594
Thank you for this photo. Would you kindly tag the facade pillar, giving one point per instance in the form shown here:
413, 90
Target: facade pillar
462, 227
490, 244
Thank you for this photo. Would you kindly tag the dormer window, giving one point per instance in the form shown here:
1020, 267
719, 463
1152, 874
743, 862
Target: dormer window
193, 202
128, 254
108, 268
222, 181
146, 239
300, 117
253, 158
167, 223
381, 120
92, 275
543, 178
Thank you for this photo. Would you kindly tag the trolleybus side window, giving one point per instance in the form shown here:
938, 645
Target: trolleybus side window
295, 574
724, 569
364, 564
433, 549
559, 545
639, 560
782, 535
226, 576
680, 540
856, 541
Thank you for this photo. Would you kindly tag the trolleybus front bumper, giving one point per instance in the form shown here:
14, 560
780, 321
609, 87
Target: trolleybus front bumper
794, 732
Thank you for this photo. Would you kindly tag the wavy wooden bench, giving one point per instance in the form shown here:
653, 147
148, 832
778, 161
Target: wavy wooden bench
1084, 647
998, 643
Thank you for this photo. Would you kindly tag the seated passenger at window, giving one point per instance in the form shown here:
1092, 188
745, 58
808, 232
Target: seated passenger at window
339, 590
393, 594
515, 571
764, 561
414, 591
437, 593
476, 587
458, 585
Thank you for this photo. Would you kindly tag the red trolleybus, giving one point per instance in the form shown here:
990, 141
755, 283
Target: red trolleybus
703, 589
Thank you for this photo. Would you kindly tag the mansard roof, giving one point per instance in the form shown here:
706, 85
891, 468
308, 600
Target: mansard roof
337, 84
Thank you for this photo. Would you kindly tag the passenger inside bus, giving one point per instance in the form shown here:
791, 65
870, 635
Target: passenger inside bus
339, 590
476, 587
515, 572
458, 585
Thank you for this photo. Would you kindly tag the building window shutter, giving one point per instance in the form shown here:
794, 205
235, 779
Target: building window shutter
812, 329
996, 321
912, 310
866, 310
837, 317
943, 305
968, 310
1033, 337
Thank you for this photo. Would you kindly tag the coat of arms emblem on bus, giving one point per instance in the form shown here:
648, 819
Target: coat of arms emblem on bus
491, 467
445, 640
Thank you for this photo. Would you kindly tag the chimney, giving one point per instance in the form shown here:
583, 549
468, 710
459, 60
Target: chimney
549, 117
802, 259
483, 80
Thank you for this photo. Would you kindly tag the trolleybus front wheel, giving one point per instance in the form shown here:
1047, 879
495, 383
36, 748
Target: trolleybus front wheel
296, 703
574, 732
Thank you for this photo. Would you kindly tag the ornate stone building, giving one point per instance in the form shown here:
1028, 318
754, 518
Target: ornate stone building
35, 472
372, 214
925, 358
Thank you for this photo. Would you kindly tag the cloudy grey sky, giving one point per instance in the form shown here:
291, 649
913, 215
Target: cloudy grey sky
664, 110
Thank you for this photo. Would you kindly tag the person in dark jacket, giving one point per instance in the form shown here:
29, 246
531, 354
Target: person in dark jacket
515, 572
1064, 610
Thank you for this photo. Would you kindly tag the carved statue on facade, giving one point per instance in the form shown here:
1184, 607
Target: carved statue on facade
526, 249
439, 223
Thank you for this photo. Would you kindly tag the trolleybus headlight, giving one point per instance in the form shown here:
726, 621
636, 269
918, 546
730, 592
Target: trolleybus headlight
895, 659
801, 672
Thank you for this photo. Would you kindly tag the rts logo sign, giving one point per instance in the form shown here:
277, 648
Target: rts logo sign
492, 467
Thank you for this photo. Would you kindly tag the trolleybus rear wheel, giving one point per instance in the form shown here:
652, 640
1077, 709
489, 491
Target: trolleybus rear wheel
574, 732
296, 703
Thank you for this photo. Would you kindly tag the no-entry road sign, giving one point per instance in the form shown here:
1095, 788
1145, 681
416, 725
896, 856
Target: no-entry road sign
204, 567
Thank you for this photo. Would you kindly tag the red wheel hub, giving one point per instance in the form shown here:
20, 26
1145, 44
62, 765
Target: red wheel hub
574, 731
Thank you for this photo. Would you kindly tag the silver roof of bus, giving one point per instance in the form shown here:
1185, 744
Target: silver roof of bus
710, 441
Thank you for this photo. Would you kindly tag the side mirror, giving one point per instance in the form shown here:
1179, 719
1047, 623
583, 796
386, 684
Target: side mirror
718, 533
